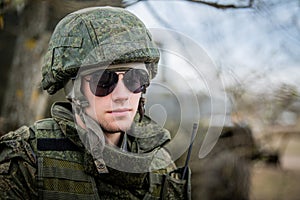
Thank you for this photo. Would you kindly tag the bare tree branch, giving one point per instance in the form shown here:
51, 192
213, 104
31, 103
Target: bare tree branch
224, 6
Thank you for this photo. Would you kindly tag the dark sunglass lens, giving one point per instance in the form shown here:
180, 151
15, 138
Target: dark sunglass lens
102, 84
136, 80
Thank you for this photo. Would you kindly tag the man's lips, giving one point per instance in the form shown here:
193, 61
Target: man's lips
120, 110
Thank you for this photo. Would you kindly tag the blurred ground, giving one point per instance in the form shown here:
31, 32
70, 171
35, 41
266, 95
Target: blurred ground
279, 182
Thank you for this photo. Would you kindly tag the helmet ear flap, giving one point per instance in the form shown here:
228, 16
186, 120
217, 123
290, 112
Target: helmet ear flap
68, 89
152, 69
73, 91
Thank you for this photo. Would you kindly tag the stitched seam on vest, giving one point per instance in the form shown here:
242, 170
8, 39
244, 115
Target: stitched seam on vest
66, 196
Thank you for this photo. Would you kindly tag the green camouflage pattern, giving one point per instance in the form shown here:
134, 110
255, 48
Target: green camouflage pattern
96, 37
17, 165
24, 168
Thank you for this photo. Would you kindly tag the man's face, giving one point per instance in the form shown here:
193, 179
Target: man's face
115, 111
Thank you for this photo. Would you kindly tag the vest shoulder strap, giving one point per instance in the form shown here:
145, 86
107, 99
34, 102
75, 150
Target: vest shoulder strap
60, 165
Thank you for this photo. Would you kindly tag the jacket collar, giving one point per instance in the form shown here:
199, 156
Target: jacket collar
144, 139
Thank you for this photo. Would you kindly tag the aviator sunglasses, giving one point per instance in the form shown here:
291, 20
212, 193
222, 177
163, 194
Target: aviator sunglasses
103, 82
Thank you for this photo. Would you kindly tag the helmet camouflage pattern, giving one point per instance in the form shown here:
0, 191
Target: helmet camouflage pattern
94, 37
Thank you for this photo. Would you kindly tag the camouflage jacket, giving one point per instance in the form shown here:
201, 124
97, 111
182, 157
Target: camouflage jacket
48, 161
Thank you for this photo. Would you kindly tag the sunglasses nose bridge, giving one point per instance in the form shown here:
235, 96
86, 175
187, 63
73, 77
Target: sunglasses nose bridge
120, 92
120, 75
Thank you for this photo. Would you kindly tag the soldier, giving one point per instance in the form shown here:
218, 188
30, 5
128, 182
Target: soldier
99, 145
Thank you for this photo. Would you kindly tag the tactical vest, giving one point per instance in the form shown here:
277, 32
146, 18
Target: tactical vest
65, 171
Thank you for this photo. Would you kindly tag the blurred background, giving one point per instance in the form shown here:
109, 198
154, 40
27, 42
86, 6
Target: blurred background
252, 48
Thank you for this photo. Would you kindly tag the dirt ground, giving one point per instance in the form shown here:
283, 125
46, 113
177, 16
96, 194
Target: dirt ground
279, 182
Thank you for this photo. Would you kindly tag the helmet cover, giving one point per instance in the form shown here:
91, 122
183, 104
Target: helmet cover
95, 37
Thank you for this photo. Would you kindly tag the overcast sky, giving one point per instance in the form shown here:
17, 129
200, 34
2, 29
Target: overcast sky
257, 46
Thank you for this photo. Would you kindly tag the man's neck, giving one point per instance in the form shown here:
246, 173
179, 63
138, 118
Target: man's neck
113, 139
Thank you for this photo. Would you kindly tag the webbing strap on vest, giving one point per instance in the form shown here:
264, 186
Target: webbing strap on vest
155, 181
61, 179
54, 144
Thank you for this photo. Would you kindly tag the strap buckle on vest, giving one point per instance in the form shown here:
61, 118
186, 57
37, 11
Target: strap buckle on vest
100, 165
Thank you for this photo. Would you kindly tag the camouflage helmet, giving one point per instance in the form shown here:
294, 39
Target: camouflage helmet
94, 37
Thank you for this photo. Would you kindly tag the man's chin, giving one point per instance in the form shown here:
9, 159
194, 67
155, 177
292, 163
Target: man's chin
117, 127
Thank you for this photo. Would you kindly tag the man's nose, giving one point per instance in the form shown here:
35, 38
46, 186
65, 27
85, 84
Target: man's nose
120, 93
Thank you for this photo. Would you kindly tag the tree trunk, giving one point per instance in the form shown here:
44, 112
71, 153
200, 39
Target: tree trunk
24, 101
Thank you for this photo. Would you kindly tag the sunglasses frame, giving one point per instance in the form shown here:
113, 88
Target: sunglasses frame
113, 79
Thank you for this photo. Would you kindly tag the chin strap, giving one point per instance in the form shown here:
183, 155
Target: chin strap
96, 142
93, 139
141, 107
